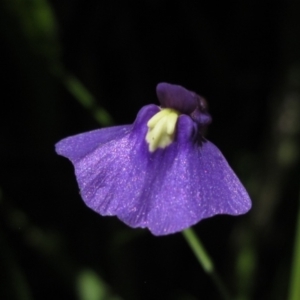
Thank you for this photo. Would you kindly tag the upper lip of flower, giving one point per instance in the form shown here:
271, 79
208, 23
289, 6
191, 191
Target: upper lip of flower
184, 101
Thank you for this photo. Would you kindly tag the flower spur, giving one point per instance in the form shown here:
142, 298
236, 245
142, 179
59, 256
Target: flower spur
160, 172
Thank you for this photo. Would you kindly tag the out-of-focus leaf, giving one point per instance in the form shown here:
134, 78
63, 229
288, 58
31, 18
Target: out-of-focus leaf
31, 28
246, 262
295, 272
36, 21
91, 287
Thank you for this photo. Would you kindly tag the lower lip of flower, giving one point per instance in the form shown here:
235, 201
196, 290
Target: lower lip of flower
161, 129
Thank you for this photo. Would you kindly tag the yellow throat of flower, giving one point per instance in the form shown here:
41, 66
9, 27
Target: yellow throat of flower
161, 129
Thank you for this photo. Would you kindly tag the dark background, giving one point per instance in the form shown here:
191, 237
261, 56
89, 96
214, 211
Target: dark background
242, 56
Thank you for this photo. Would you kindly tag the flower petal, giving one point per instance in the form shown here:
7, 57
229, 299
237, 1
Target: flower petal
110, 178
198, 184
77, 146
167, 190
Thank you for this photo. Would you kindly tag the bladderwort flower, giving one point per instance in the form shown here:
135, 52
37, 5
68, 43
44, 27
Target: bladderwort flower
160, 172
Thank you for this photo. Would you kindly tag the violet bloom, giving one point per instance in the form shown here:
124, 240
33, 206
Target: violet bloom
160, 172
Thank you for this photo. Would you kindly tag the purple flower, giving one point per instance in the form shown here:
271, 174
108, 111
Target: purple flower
160, 172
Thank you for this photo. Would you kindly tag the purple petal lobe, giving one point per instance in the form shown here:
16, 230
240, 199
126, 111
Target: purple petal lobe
176, 97
167, 190
77, 146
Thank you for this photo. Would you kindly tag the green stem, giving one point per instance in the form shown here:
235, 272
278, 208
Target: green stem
87, 100
294, 292
205, 261
82, 95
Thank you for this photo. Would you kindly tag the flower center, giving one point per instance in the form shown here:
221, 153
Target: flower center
161, 129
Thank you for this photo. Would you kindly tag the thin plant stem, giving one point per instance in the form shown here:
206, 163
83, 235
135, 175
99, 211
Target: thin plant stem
87, 100
205, 261
82, 95
294, 291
